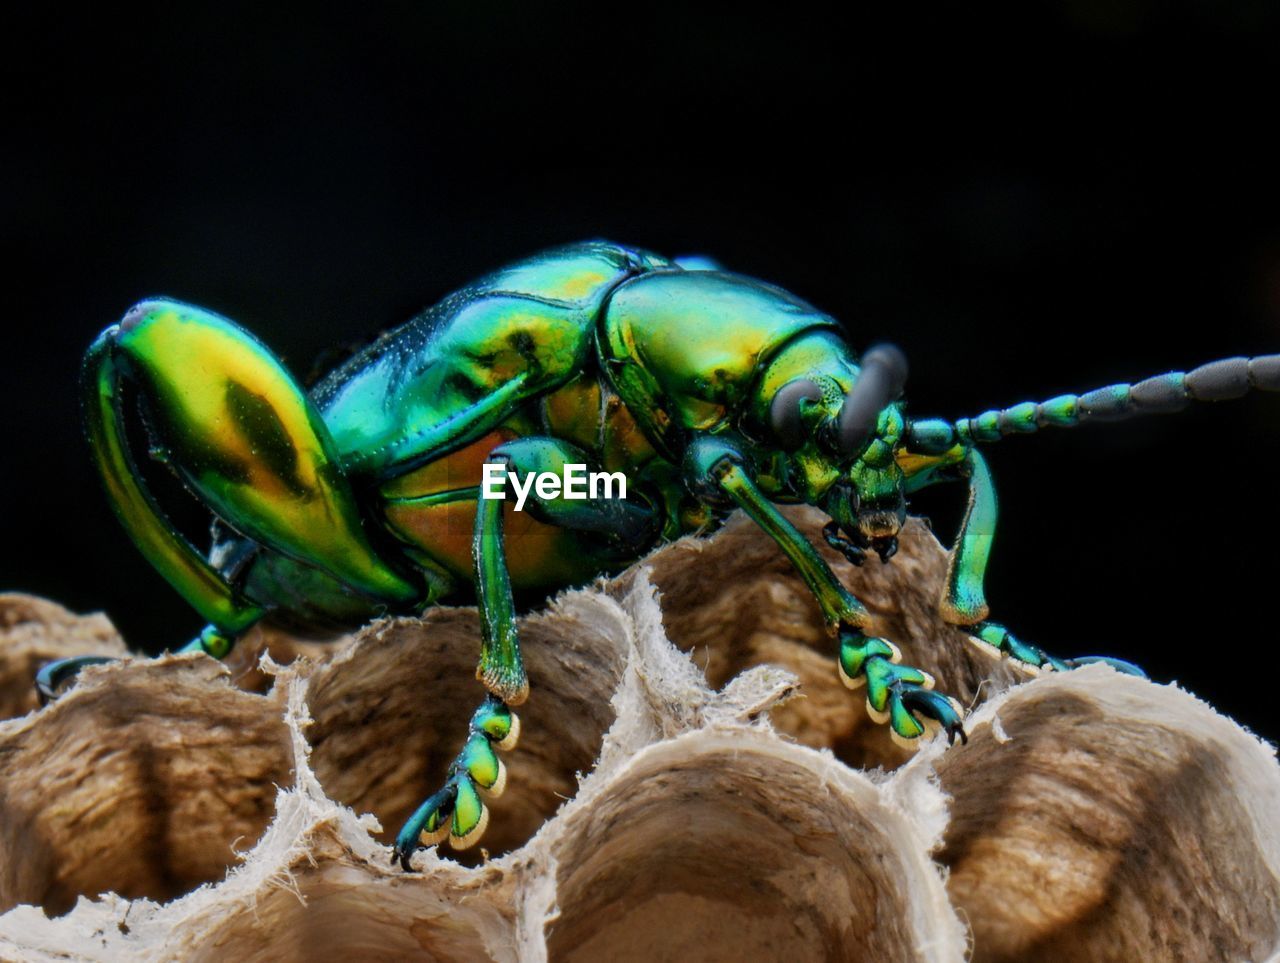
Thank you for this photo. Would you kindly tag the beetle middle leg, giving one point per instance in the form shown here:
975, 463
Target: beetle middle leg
901, 695
457, 811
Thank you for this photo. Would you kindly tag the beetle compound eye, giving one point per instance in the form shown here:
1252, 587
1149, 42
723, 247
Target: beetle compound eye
786, 411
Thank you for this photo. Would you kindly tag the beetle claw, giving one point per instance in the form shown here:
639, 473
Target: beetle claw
904, 698
53, 675
402, 856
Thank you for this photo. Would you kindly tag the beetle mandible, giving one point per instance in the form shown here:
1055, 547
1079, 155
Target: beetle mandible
709, 391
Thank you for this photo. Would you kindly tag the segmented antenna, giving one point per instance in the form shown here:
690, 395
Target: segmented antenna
884, 371
1163, 394
785, 413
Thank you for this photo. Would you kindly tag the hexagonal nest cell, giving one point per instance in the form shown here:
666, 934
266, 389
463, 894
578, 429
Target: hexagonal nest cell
692, 782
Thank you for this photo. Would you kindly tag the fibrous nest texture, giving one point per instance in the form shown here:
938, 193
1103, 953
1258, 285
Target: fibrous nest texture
692, 783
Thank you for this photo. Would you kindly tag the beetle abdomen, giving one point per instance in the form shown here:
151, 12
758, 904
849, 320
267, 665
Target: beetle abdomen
433, 511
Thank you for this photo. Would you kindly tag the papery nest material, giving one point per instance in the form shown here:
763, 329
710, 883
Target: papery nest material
693, 783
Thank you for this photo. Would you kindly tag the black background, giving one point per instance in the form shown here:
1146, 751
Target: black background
1029, 200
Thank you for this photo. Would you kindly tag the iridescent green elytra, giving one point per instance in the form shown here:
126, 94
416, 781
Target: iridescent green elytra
708, 390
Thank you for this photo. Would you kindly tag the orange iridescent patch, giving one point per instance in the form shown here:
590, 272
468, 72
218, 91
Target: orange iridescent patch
538, 555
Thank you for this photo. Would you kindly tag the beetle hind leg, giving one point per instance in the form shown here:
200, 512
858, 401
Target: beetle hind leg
223, 413
54, 676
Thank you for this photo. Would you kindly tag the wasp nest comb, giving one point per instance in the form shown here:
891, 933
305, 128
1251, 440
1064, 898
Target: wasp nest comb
692, 783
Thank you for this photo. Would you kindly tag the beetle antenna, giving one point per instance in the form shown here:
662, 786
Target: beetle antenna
786, 414
884, 372
1163, 394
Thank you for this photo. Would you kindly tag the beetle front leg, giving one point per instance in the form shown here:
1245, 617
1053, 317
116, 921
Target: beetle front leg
898, 694
964, 602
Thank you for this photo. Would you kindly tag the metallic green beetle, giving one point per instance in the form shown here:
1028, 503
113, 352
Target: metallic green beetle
708, 391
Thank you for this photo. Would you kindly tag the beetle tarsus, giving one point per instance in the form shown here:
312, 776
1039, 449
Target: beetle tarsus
457, 812
1000, 642
900, 695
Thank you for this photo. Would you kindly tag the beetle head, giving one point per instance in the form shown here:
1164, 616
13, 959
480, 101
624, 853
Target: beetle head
840, 431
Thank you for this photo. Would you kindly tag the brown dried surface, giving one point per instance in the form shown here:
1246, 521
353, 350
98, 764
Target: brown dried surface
143, 780
1103, 824
691, 784
713, 846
